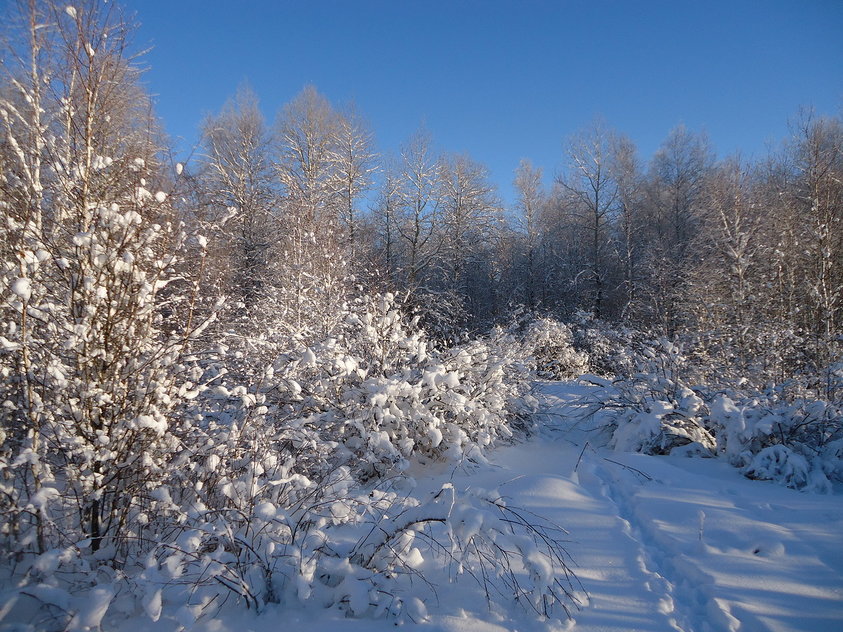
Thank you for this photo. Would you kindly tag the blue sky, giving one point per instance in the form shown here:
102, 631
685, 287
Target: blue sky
505, 80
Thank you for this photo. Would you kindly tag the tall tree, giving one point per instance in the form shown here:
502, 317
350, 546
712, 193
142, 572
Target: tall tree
306, 133
387, 211
355, 164
626, 171
729, 281
421, 206
675, 186
590, 195
239, 180
529, 202
817, 150
312, 267
471, 213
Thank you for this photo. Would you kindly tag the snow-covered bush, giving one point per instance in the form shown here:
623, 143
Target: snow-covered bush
362, 552
490, 541
287, 488
90, 376
797, 443
651, 410
611, 350
381, 393
550, 344
769, 435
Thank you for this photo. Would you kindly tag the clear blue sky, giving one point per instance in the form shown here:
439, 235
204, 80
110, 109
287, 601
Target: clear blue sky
505, 80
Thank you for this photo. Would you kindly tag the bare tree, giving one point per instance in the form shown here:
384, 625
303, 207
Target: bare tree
421, 199
729, 280
627, 173
817, 150
239, 180
676, 183
531, 198
387, 211
471, 213
590, 197
306, 133
355, 164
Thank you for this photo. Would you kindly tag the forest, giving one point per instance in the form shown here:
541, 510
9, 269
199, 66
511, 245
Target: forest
217, 374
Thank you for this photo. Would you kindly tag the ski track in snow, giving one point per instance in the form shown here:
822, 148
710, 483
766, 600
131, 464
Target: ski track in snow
725, 552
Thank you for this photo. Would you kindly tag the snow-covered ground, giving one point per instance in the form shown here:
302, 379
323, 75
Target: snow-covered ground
657, 543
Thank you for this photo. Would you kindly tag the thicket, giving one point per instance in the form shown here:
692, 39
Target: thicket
655, 396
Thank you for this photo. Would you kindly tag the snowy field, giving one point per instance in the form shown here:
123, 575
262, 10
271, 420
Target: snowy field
657, 543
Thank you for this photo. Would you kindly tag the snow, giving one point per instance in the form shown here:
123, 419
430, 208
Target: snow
22, 287
657, 543
89, 615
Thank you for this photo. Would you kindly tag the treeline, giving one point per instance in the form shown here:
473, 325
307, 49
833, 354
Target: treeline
745, 257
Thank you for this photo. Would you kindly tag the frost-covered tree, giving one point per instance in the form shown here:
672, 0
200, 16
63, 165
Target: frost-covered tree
310, 264
675, 187
629, 223
589, 195
817, 199
89, 363
385, 217
239, 184
355, 165
471, 215
421, 200
530, 199
730, 280
306, 134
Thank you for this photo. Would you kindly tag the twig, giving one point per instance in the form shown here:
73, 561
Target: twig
580, 457
629, 467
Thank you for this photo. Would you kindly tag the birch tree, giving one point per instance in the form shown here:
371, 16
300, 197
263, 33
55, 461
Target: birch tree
355, 165
239, 183
626, 171
470, 216
421, 207
818, 201
590, 196
306, 133
529, 202
88, 366
676, 184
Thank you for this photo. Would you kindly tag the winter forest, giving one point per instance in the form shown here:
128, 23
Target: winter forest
224, 380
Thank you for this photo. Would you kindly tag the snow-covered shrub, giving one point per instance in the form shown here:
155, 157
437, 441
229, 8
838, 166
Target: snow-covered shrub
90, 375
382, 394
361, 552
768, 435
550, 344
651, 410
611, 350
485, 538
650, 416
263, 499
797, 443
